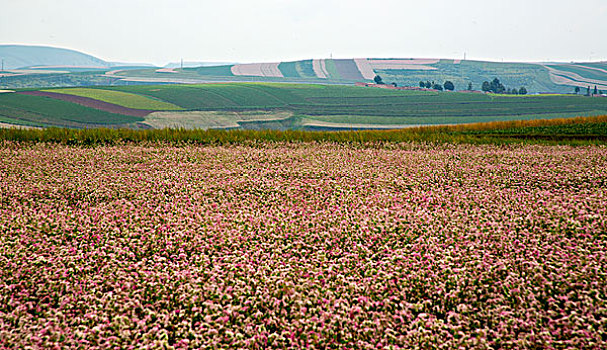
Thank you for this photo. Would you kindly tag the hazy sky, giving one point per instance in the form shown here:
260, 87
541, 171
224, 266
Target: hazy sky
158, 31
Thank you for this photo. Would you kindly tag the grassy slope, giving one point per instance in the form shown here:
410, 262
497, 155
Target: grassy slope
590, 74
222, 71
370, 106
119, 98
534, 77
220, 96
297, 69
342, 101
36, 110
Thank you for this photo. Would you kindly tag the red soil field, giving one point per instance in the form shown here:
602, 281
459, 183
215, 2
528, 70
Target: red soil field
91, 102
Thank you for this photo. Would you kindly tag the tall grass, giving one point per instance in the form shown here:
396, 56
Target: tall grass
492, 132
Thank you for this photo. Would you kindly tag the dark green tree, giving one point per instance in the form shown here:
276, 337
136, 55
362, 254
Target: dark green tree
422, 84
469, 86
577, 90
588, 91
449, 85
486, 86
438, 87
496, 86
522, 91
378, 80
428, 84
596, 91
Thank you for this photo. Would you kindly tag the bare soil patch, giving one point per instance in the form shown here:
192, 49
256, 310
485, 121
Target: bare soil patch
414, 64
210, 119
166, 70
258, 70
365, 68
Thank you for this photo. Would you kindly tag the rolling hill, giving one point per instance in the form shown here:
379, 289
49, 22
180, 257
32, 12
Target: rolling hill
277, 106
536, 77
52, 67
22, 56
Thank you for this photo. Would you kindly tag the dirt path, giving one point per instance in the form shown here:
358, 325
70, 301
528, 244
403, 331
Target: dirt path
91, 102
319, 68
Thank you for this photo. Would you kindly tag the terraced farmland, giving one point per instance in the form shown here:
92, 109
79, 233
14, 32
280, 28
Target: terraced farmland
44, 111
310, 106
129, 100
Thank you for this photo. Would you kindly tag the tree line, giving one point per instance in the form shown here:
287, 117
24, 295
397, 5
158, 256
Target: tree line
496, 87
594, 92
447, 85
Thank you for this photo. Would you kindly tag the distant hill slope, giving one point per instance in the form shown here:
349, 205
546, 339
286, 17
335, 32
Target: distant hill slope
22, 56
536, 77
48, 66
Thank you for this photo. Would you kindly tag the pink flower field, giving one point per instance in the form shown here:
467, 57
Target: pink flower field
318, 246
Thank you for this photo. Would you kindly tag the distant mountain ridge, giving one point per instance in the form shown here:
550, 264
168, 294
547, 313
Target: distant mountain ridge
25, 56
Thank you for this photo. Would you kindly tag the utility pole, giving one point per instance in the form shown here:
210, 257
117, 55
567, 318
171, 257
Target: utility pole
182, 64
2, 65
464, 56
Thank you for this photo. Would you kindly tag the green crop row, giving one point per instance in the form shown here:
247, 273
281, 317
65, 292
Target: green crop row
37, 110
120, 98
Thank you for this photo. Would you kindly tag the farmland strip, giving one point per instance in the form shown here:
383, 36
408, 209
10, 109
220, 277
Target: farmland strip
365, 68
91, 103
258, 70
319, 68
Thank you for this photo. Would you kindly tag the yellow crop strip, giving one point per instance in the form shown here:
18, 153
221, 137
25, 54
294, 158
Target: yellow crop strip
120, 98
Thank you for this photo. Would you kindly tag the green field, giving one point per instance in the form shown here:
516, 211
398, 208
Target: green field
44, 111
120, 98
310, 106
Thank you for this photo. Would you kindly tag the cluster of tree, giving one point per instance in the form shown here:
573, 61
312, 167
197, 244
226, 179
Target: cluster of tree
379, 81
594, 92
497, 87
447, 85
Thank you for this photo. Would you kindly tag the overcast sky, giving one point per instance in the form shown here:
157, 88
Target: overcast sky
160, 31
